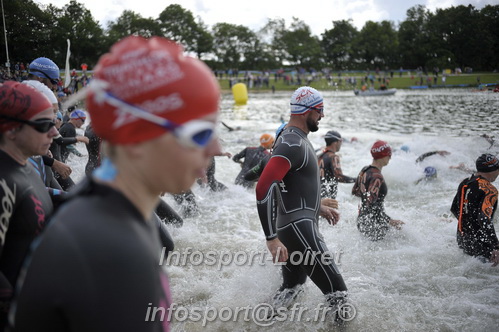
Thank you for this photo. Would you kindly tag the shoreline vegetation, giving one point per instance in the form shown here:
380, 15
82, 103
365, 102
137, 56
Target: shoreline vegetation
479, 81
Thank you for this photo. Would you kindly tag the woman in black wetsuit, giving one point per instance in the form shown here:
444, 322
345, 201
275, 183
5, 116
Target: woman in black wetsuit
370, 186
26, 129
96, 268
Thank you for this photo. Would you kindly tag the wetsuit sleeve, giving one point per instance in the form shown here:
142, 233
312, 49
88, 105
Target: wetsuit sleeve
65, 140
48, 161
267, 191
456, 202
254, 173
237, 157
425, 155
338, 173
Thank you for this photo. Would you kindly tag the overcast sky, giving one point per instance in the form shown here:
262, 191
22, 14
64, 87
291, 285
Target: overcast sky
318, 14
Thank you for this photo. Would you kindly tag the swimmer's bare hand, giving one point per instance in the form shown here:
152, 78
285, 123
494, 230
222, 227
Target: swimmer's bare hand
61, 168
332, 203
494, 258
83, 139
396, 223
278, 250
331, 215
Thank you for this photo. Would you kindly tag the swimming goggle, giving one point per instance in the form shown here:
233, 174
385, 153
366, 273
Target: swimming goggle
317, 109
40, 125
194, 133
53, 81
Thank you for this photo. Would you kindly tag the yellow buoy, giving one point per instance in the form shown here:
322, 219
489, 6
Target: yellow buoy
240, 93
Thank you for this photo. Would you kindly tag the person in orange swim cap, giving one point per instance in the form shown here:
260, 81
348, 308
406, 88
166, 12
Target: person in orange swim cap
251, 157
156, 111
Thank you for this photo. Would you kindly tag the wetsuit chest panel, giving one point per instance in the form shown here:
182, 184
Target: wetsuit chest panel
298, 191
26, 206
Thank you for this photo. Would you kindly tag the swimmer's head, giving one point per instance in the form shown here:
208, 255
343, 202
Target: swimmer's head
332, 136
487, 163
305, 99
143, 88
381, 149
430, 172
19, 102
266, 141
405, 148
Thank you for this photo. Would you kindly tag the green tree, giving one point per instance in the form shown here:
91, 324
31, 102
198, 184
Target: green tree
489, 26
377, 44
459, 30
271, 37
178, 24
76, 23
299, 47
203, 40
414, 36
337, 44
232, 42
28, 32
131, 23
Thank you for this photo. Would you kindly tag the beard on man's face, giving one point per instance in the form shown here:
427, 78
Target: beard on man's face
312, 124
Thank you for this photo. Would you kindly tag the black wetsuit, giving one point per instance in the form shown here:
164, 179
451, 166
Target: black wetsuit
252, 156
167, 214
59, 141
210, 175
474, 206
288, 201
95, 268
331, 174
25, 207
93, 148
372, 220
67, 130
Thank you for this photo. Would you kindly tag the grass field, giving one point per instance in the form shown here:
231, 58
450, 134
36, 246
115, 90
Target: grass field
404, 82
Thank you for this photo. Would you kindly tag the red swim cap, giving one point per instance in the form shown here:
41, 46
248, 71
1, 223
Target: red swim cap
152, 75
381, 149
19, 101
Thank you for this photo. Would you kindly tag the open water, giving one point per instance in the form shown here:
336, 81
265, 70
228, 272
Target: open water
415, 279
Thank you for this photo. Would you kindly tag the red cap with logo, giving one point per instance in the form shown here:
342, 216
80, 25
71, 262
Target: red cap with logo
19, 101
153, 76
381, 149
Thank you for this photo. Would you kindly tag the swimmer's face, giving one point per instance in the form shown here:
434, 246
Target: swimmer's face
31, 142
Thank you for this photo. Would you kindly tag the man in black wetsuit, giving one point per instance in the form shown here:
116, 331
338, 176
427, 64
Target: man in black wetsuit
26, 129
289, 204
76, 120
252, 156
330, 167
474, 206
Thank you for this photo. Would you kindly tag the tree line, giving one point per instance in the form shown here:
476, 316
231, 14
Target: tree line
461, 36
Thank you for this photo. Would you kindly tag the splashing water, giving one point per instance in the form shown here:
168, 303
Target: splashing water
415, 279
